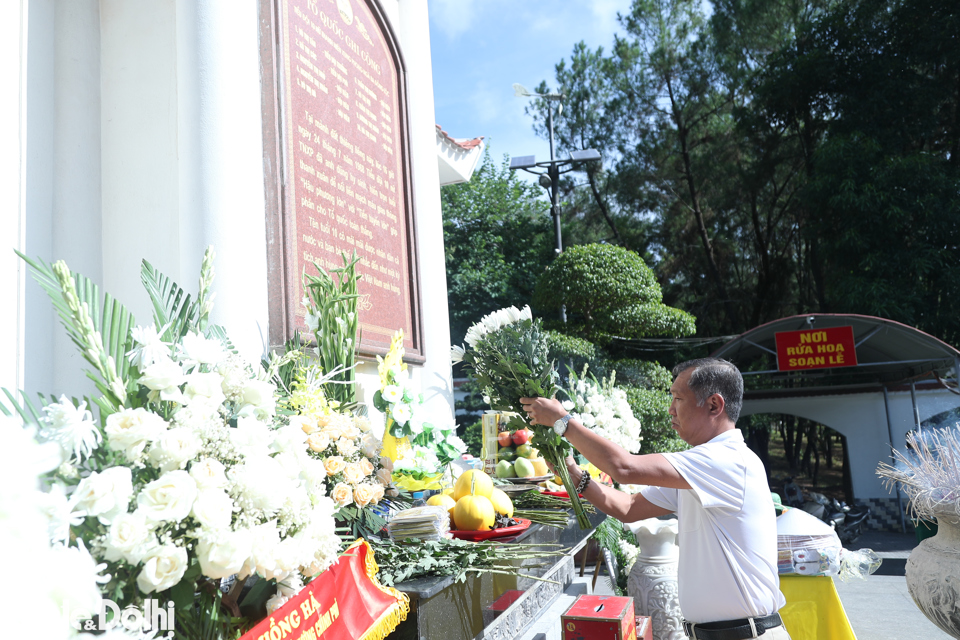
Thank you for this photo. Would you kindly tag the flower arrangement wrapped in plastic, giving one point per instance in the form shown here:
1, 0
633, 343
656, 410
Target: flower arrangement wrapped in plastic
187, 476
508, 352
421, 450
603, 407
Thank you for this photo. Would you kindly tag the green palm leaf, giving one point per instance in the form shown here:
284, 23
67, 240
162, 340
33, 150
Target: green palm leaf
174, 310
99, 327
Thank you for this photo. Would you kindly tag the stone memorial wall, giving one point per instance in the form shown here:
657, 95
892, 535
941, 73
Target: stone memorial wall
343, 147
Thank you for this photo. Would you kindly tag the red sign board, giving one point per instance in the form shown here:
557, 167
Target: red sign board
347, 184
816, 349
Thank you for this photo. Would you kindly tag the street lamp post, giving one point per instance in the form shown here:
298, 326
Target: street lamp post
550, 171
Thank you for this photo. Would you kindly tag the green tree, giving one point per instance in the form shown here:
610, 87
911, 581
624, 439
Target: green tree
497, 236
608, 291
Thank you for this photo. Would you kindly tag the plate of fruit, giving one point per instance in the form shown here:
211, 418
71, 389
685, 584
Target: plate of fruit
478, 510
518, 460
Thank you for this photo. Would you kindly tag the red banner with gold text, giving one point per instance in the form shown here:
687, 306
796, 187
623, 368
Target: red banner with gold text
345, 602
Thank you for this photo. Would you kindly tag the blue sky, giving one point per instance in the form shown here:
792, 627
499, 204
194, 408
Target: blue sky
481, 47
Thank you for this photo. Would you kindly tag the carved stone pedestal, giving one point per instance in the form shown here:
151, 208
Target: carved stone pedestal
653, 579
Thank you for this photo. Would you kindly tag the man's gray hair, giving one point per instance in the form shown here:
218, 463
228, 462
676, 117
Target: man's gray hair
714, 375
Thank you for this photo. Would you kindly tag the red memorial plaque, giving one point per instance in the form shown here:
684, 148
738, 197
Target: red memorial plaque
816, 349
343, 149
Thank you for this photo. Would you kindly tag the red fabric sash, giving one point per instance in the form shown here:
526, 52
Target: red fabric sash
345, 602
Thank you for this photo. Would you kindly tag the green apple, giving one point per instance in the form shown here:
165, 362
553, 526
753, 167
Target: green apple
505, 469
507, 453
524, 468
527, 451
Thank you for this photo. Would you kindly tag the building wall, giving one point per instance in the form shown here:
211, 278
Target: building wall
143, 140
862, 418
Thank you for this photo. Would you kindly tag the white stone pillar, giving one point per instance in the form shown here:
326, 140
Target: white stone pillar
436, 379
13, 59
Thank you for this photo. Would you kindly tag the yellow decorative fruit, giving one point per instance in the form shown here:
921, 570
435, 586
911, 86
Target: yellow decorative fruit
473, 482
501, 502
448, 491
474, 513
445, 501
540, 467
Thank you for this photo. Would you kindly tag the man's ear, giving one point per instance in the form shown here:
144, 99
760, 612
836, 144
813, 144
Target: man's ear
716, 404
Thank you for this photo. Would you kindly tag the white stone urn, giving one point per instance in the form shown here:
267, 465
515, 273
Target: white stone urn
653, 579
933, 573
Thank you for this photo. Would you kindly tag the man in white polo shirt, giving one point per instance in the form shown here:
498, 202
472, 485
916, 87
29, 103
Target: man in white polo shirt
728, 581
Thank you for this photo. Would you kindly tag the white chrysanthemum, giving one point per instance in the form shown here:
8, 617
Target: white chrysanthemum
197, 349
78, 576
289, 438
261, 484
457, 444
60, 514
150, 348
456, 354
71, 427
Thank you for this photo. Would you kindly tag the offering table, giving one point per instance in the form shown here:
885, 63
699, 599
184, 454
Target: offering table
443, 609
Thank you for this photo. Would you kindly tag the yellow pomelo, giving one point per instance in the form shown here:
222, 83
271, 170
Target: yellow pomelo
501, 502
473, 482
474, 513
445, 501
540, 467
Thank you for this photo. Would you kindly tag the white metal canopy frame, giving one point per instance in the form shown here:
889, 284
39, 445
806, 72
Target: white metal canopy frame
887, 352
890, 356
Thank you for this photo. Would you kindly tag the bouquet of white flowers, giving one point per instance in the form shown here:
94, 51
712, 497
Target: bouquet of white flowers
187, 477
508, 352
603, 407
433, 447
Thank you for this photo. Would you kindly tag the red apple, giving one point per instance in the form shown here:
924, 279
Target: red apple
504, 439
522, 436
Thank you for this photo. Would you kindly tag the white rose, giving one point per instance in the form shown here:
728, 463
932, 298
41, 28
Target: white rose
209, 473
213, 509
105, 494
251, 437
259, 395
163, 568
205, 388
346, 447
162, 375
169, 498
224, 553
370, 445
384, 476
289, 439
129, 537
129, 431
175, 448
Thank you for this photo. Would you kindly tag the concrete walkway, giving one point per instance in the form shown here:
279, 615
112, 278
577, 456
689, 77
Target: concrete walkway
880, 607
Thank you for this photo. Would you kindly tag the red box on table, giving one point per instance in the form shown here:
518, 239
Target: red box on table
599, 618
